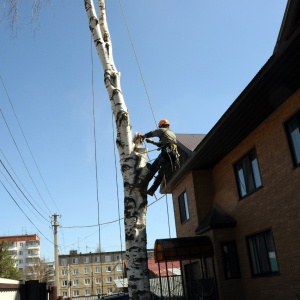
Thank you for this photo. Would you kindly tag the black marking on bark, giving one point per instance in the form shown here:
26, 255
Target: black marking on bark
115, 92
87, 5
97, 42
122, 116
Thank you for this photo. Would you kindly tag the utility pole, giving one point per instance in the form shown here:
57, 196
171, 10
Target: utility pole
56, 277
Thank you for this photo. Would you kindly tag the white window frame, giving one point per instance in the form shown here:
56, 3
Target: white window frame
109, 279
64, 272
75, 293
119, 268
64, 283
108, 268
183, 207
75, 282
75, 272
75, 260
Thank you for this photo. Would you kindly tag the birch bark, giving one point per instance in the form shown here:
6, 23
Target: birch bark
132, 160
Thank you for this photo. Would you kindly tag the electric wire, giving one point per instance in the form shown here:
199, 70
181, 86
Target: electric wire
27, 144
117, 187
109, 222
137, 61
23, 211
95, 156
20, 182
23, 159
21, 190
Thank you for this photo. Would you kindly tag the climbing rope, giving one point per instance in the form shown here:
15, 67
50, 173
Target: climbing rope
137, 60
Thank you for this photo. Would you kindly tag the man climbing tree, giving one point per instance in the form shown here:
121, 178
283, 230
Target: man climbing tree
132, 160
168, 158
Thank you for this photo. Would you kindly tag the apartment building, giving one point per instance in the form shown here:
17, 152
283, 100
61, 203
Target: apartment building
25, 249
237, 197
86, 274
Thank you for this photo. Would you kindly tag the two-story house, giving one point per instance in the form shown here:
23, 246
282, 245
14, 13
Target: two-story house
237, 196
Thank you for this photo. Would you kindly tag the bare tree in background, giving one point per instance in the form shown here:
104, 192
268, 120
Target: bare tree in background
11, 12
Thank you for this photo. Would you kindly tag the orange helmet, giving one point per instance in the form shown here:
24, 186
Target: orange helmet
163, 122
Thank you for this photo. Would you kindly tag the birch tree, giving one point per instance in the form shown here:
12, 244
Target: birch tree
132, 159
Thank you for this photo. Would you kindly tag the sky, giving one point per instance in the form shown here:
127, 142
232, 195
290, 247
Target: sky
186, 61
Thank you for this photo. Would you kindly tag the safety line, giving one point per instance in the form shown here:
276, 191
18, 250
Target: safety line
96, 162
137, 61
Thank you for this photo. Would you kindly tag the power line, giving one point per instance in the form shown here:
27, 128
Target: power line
21, 190
109, 222
27, 147
24, 212
20, 181
23, 195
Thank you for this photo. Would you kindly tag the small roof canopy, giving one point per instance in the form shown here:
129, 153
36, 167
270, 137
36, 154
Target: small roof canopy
183, 248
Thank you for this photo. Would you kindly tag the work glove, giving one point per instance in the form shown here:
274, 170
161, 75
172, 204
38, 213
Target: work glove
149, 141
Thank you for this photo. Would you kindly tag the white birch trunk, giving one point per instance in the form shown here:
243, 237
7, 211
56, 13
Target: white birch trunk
132, 161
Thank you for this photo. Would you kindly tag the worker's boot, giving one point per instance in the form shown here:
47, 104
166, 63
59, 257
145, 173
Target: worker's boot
153, 168
155, 185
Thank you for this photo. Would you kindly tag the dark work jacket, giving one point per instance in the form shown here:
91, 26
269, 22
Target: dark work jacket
165, 135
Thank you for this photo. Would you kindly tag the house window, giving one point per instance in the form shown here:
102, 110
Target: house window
109, 290
87, 281
63, 261
64, 272
120, 277
118, 257
98, 291
86, 270
97, 259
107, 258
98, 280
108, 268
262, 254
247, 174
183, 207
21, 252
65, 294
119, 268
21, 244
64, 283
108, 279
97, 269
21, 261
86, 260
87, 292
75, 282
293, 131
230, 259
75, 260
76, 293
75, 271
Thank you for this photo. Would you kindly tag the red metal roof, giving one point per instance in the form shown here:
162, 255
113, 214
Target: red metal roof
172, 267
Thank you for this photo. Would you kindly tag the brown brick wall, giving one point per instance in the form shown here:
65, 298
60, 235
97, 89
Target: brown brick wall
275, 205
188, 227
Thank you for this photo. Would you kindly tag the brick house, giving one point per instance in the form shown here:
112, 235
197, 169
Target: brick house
237, 195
